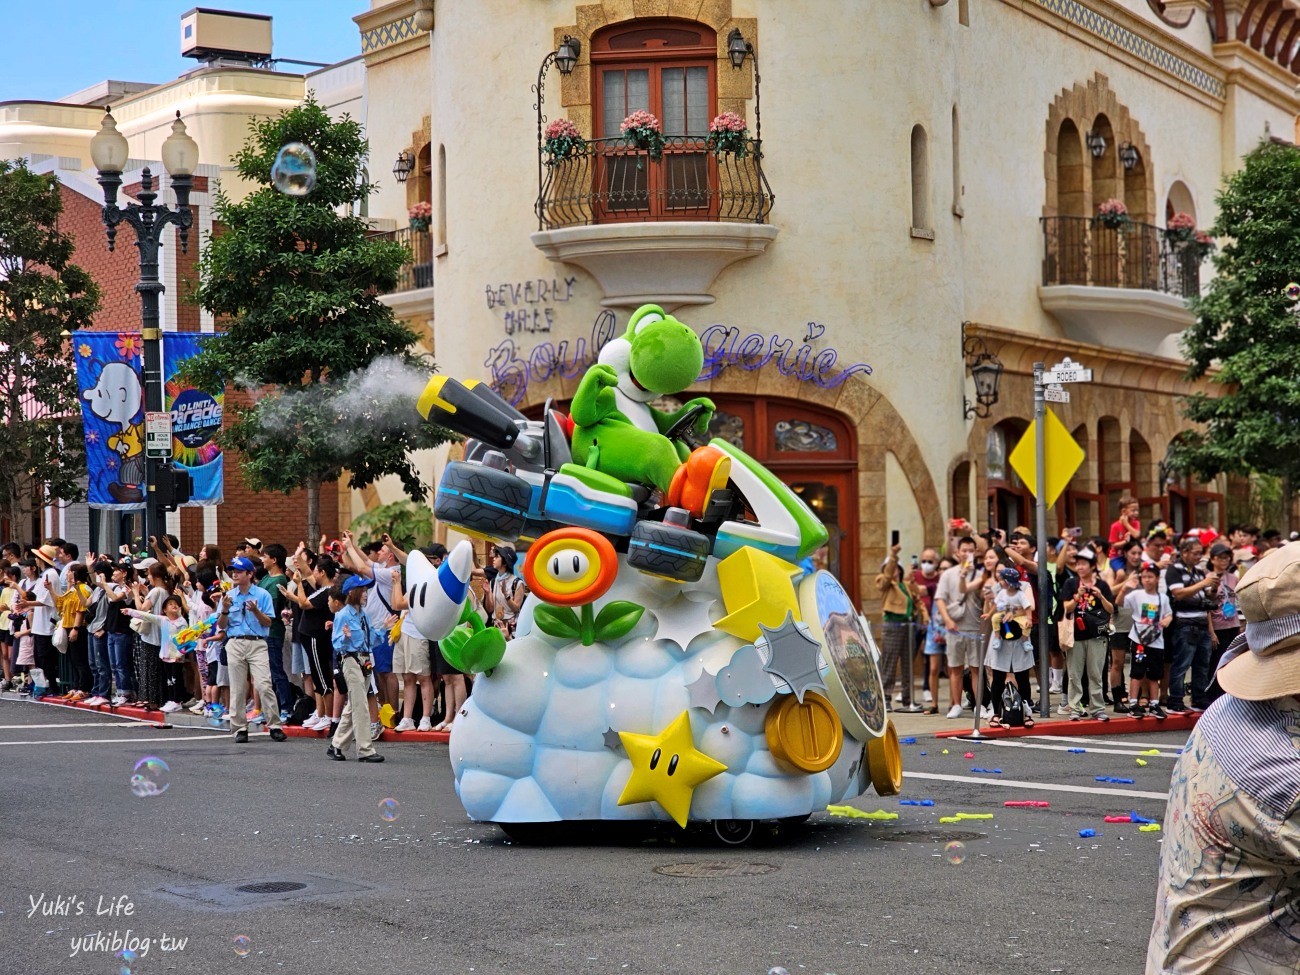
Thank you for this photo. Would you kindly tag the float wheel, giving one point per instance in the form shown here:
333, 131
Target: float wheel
885, 762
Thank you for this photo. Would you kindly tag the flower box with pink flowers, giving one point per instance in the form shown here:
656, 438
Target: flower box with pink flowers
728, 133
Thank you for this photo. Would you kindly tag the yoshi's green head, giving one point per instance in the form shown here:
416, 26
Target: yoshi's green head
656, 356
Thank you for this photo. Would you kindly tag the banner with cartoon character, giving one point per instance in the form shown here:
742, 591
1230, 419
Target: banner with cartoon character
109, 370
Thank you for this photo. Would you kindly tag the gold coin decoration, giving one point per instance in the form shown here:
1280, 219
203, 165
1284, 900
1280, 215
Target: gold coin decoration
808, 736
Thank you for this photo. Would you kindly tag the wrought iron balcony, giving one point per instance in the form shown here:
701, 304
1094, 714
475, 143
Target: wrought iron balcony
611, 181
418, 273
1081, 251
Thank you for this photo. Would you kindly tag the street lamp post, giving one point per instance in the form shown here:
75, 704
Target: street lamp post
563, 57
108, 151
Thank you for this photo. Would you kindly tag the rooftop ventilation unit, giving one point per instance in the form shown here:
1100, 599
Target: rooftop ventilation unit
224, 35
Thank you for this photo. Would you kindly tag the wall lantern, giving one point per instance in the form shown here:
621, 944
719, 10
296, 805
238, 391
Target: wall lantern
986, 369
402, 168
567, 54
738, 48
1128, 155
1096, 144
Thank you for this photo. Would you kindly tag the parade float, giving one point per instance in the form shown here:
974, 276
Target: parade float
673, 660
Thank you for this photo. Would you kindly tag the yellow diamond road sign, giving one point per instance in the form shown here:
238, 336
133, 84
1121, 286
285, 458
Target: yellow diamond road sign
1064, 455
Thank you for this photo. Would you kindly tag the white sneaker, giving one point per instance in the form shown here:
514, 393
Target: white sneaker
118, 700
376, 731
1064, 709
954, 711
198, 708
986, 712
406, 724
898, 698
94, 702
171, 707
317, 723
927, 697
424, 725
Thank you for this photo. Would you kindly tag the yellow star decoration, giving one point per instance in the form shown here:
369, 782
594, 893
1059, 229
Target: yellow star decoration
666, 768
756, 588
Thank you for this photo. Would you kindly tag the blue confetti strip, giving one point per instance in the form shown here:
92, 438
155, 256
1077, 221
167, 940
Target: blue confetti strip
988, 771
916, 802
1086, 833
1076, 751
1111, 778
907, 741
1141, 819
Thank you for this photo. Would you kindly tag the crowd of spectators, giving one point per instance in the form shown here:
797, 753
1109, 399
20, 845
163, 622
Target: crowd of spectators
1138, 619
255, 639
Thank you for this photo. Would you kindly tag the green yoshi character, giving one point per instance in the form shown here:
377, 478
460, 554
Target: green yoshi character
617, 431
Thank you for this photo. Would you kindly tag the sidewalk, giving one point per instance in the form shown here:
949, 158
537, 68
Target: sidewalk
183, 719
938, 725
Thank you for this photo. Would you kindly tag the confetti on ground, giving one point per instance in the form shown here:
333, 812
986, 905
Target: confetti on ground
1150, 751
1086, 833
969, 755
945, 751
988, 771
1140, 761
922, 753
962, 817
1076, 751
1149, 828
907, 741
1111, 778
1141, 819
1118, 819
1027, 804
854, 813
916, 802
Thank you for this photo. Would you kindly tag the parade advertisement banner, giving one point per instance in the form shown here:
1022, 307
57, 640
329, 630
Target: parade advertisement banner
109, 379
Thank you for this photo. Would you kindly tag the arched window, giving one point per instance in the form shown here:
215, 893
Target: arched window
921, 181
959, 499
442, 195
667, 68
423, 175
957, 189
1180, 200
1071, 196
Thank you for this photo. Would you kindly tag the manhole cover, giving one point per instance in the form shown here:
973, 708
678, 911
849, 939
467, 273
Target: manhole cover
271, 887
716, 869
928, 836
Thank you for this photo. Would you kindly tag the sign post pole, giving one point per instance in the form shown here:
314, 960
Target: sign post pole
1044, 582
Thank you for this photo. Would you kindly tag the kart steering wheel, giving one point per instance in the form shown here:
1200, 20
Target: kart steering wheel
681, 427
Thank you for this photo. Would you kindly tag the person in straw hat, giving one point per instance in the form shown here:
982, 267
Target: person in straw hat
1228, 898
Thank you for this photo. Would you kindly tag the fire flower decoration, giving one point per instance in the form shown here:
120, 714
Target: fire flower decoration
575, 567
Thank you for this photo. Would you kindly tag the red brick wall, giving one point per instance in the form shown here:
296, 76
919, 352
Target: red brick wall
268, 516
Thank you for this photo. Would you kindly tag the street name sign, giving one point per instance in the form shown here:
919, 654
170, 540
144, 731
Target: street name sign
1056, 393
1067, 371
1064, 455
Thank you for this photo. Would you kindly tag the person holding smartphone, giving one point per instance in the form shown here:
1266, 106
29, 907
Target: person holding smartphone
1089, 600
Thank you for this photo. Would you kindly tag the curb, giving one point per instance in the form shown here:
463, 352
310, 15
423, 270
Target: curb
1067, 728
183, 719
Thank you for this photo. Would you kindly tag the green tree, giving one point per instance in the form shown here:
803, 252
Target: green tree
42, 295
409, 524
1247, 328
296, 284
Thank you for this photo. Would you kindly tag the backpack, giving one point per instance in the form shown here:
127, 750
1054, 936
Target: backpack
1013, 707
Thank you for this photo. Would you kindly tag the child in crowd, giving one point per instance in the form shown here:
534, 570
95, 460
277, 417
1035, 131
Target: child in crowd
8, 591
1151, 614
171, 622
352, 640
216, 697
25, 660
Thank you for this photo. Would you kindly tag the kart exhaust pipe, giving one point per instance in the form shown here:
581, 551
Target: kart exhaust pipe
472, 410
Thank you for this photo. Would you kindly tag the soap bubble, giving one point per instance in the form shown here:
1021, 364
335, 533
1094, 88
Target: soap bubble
150, 777
294, 171
242, 945
126, 957
388, 810
955, 852
1292, 292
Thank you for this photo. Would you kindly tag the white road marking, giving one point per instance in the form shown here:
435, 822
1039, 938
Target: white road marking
1092, 749
88, 724
1041, 786
1106, 741
214, 736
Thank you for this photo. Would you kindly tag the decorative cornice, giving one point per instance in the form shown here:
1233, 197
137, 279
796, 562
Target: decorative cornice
390, 30
1118, 33
1259, 74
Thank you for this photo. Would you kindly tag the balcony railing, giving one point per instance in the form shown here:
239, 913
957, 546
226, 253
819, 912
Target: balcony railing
612, 181
419, 272
1080, 250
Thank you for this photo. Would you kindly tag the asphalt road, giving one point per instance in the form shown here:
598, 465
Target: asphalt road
431, 891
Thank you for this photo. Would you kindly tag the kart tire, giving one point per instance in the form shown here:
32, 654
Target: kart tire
667, 550
482, 500
734, 832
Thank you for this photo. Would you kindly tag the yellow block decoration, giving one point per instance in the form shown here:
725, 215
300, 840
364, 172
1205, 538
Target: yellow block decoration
853, 813
808, 736
666, 768
757, 587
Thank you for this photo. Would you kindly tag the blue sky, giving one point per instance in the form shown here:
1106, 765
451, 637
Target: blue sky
56, 47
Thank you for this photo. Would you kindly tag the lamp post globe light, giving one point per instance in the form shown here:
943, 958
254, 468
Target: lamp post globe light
165, 487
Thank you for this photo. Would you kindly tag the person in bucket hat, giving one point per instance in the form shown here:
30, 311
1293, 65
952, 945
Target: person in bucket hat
1228, 897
